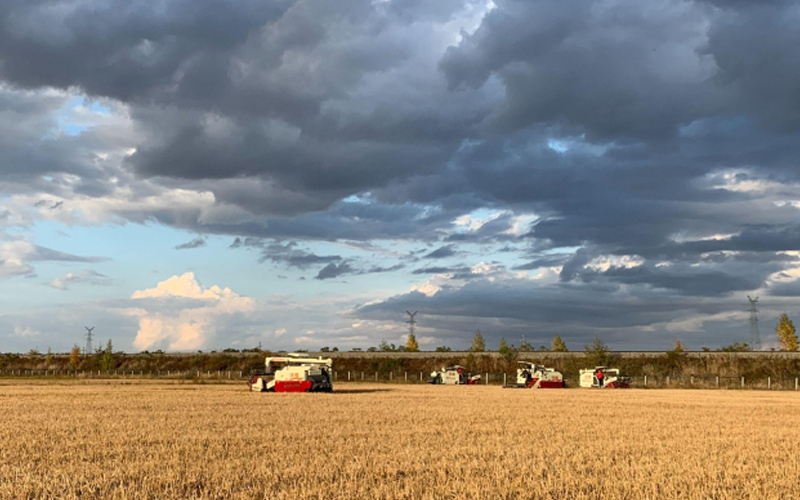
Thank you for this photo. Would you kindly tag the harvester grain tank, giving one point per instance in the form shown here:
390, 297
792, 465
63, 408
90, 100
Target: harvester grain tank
604, 377
453, 375
533, 376
294, 373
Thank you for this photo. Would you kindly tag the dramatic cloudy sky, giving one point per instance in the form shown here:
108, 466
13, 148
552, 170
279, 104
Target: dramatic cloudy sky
199, 174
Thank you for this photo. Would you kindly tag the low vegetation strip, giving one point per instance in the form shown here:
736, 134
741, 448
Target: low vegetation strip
752, 365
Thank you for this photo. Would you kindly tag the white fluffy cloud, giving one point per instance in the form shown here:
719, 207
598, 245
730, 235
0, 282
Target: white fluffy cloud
27, 331
87, 276
14, 258
182, 314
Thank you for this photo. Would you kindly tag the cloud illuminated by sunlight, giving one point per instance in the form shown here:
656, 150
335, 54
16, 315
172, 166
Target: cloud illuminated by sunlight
185, 326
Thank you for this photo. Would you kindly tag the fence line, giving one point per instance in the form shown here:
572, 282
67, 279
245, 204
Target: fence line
393, 377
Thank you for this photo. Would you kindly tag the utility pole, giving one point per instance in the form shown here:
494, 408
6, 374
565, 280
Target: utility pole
89, 339
755, 336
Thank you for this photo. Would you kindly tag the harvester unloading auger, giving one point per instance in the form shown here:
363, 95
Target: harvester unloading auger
293, 374
533, 376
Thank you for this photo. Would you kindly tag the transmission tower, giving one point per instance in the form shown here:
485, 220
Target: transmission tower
89, 339
755, 336
412, 322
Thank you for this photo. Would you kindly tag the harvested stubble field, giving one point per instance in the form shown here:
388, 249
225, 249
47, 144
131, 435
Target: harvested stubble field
181, 440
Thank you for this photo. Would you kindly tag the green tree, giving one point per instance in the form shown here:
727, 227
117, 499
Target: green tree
107, 359
507, 352
736, 347
787, 335
675, 357
559, 345
443, 348
478, 344
75, 357
470, 362
49, 357
597, 353
525, 347
411, 344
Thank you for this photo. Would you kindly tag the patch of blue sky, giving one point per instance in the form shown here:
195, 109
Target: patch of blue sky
558, 146
362, 198
577, 144
475, 219
710, 127
97, 107
69, 120
142, 255
65, 117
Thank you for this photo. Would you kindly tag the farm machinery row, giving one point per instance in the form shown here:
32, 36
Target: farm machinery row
534, 376
294, 373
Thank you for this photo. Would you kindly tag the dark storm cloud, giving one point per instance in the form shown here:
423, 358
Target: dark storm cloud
713, 281
345, 268
334, 271
521, 307
382, 269
546, 261
441, 253
195, 243
48, 254
437, 270
125, 50
618, 71
289, 254
667, 133
786, 289
762, 238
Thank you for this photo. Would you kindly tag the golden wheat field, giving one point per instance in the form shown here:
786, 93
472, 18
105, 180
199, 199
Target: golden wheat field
181, 440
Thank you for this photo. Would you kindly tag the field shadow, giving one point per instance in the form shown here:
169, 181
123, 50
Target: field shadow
360, 391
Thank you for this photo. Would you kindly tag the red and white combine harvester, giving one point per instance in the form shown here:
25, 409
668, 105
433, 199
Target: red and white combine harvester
604, 377
293, 374
533, 376
453, 375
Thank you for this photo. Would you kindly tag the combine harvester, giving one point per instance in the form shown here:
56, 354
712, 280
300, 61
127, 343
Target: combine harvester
533, 376
294, 374
453, 375
604, 377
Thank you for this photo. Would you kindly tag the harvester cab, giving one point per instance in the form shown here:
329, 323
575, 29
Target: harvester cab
533, 376
453, 375
604, 377
293, 374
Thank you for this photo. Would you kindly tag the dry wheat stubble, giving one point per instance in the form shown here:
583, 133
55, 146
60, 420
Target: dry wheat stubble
165, 441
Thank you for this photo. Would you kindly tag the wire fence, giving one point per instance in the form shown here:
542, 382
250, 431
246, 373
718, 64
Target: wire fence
397, 377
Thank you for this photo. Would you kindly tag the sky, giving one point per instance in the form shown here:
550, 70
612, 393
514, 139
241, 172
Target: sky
202, 174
